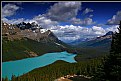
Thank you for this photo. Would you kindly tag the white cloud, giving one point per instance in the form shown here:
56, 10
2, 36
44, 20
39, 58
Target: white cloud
69, 39
98, 30
9, 10
67, 12
71, 32
86, 21
115, 19
87, 10
13, 21
67, 32
17, 21
63, 11
112, 28
91, 15
75, 20
44, 22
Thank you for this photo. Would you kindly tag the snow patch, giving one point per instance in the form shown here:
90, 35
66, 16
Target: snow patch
57, 43
43, 30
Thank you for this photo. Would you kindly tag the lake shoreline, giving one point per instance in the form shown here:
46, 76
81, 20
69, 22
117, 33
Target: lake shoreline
41, 55
29, 64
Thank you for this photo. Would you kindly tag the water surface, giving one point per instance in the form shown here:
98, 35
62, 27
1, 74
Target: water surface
25, 65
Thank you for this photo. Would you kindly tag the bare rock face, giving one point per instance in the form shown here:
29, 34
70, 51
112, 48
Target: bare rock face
38, 34
108, 35
31, 54
46, 36
10, 31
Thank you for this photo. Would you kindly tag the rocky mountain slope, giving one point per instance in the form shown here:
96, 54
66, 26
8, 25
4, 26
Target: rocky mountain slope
23, 43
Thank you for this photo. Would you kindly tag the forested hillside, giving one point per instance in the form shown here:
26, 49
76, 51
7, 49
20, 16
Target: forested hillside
110, 70
59, 69
24, 48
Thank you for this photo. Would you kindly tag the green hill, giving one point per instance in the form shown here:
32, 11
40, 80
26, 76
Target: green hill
24, 48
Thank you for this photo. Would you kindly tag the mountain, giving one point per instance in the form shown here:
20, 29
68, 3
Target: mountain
94, 47
83, 40
102, 41
33, 32
109, 33
76, 42
24, 43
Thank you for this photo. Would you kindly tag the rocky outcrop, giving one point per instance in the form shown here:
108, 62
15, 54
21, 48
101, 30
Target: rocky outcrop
30, 53
69, 77
33, 32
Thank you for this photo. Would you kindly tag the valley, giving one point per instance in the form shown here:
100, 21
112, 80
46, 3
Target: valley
60, 41
34, 42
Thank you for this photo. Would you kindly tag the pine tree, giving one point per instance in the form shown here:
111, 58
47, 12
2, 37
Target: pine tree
111, 68
13, 78
6, 79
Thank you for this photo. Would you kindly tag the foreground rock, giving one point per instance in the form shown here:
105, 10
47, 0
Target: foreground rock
74, 78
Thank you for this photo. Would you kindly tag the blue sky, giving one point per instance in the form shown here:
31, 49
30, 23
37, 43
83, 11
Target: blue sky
102, 10
82, 19
30, 9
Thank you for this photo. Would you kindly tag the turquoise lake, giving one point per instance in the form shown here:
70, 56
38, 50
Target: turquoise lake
20, 67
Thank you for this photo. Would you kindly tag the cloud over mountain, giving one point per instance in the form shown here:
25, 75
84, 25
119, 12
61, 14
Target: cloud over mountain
13, 21
98, 30
115, 19
44, 21
112, 28
64, 12
69, 33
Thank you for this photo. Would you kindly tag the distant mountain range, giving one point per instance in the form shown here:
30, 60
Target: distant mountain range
94, 47
102, 41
